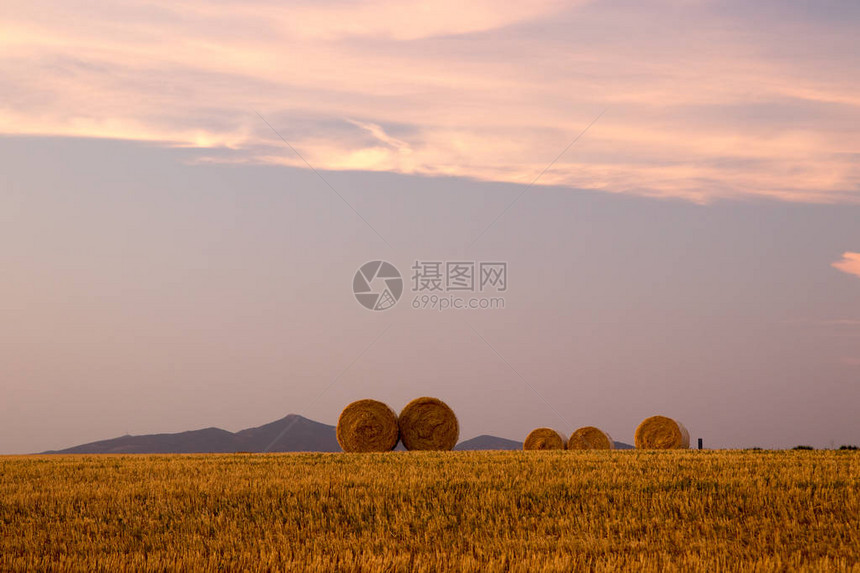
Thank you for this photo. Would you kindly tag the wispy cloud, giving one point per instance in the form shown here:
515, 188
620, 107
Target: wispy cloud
849, 263
703, 104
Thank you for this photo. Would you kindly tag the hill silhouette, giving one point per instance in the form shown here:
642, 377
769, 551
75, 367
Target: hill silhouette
292, 433
485, 442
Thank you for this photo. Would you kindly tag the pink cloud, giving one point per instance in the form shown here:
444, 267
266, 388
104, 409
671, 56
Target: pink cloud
482, 91
850, 263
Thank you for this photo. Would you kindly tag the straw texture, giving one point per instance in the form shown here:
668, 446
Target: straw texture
544, 439
428, 424
367, 426
661, 433
590, 438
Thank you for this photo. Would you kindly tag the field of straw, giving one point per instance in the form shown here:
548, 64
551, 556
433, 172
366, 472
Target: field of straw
676, 510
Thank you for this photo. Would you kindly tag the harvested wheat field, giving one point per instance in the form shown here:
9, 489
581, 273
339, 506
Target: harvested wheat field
674, 510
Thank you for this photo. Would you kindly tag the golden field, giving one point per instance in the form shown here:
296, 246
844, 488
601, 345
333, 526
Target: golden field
434, 511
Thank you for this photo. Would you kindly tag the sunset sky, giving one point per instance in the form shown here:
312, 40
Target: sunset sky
675, 186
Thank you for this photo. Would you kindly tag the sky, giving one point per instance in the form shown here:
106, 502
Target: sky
187, 190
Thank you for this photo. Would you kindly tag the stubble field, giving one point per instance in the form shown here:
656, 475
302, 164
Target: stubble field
428, 511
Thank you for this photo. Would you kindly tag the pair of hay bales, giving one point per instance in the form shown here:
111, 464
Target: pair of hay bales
654, 433
371, 426
586, 438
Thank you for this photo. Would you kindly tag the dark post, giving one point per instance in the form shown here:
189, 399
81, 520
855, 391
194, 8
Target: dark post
700, 443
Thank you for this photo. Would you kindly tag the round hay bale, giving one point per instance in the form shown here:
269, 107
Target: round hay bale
590, 438
428, 424
544, 439
367, 426
661, 433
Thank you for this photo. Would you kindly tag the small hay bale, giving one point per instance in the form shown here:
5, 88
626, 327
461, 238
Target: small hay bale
661, 433
428, 424
544, 439
367, 426
590, 438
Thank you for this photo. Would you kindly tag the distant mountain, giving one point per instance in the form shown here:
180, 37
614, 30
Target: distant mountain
489, 443
207, 440
292, 433
494, 443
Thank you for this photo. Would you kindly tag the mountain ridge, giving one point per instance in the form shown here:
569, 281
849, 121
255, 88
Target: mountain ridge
292, 433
